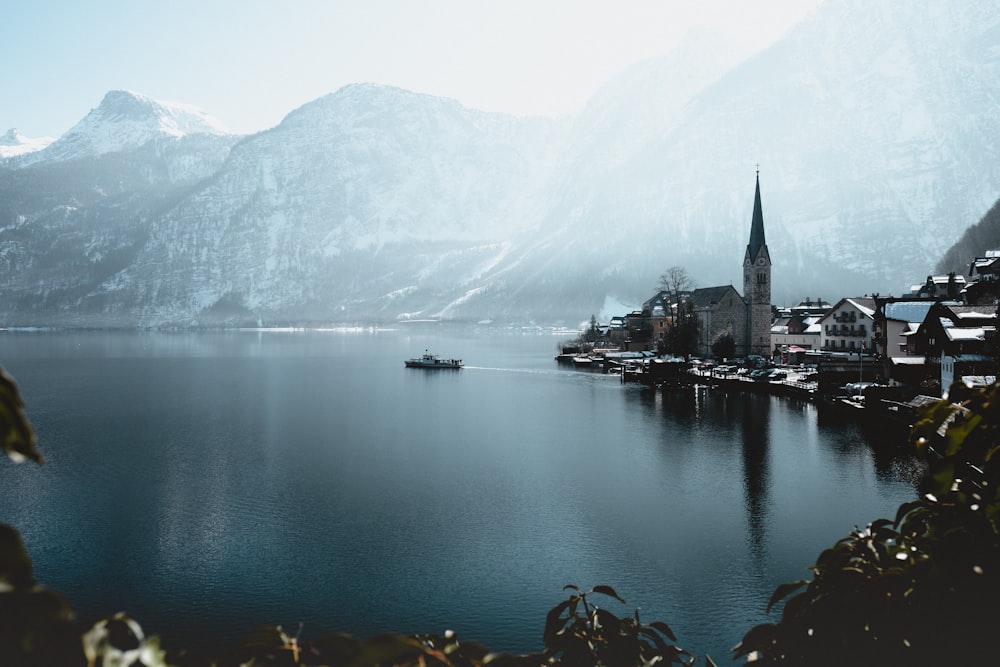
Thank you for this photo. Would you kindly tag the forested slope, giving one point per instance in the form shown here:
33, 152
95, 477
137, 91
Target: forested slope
977, 239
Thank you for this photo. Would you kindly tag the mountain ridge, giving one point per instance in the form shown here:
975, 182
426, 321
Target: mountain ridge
125, 120
868, 126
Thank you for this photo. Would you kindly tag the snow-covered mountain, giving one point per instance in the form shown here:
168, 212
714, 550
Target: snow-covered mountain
371, 202
874, 125
875, 129
126, 121
14, 144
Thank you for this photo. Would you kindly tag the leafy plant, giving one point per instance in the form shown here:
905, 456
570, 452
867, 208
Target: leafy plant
16, 433
578, 632
921, 589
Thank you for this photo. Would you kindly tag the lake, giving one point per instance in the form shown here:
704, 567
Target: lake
209, 482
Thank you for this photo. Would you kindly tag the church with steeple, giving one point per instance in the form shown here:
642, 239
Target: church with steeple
747, 318
757, 283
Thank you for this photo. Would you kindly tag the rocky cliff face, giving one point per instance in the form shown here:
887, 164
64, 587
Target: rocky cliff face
873, 127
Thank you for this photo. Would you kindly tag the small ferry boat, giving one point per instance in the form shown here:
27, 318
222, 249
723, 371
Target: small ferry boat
428, 360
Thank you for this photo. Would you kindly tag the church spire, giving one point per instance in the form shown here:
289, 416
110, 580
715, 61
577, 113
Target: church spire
757, 225
757, 283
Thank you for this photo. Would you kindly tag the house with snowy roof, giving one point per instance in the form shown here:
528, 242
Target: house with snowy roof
848, 326
957, 337
795, 333
983, 286
896, 321
940, 287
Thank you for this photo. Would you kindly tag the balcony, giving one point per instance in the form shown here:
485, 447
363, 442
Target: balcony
847, 331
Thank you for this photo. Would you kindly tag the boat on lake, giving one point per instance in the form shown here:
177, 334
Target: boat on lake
428, 360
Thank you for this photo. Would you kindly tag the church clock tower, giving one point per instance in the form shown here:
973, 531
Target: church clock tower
757, 284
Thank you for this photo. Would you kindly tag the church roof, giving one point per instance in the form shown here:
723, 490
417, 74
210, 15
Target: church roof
757, 225
707, 296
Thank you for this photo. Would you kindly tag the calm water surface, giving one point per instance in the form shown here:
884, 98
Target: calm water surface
209, 482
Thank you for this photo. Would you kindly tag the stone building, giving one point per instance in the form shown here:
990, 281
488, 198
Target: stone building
757, 284
720, 310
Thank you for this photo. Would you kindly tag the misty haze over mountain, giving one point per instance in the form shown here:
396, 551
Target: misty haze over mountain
874, 125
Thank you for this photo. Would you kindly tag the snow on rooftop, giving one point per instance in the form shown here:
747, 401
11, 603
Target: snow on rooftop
961, 333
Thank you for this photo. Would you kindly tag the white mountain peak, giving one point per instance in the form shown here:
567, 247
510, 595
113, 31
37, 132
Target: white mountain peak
170, 118
14, 143
126, 120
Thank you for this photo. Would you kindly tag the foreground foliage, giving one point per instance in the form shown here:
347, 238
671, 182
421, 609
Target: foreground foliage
920, 589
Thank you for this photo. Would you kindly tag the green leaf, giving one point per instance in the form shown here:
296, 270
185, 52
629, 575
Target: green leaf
337, 645
905, 509
266, 636
607, 590
611, 623
388, 649
782, 591
15, 565
15, 431
554, 621
664, 628
661, 646
758, 638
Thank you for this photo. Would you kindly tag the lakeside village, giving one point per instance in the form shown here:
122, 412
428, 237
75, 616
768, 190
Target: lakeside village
880, 357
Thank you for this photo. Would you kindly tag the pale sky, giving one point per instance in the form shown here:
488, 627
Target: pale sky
250, 62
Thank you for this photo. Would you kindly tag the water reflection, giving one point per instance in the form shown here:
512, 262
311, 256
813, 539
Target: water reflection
755, 423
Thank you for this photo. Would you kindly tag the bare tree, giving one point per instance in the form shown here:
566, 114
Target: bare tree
675, 281
682, 337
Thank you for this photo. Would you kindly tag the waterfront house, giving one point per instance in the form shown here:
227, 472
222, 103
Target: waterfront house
896, 320
965, 357
797, 329
660, 311
848, 326
940, 287
929, 339
984, 287
617, 330
954, 338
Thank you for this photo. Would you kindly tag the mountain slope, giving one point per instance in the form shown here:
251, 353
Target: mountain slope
873, 136
367, 199
14, 144
873, 126
977, 239
125, 121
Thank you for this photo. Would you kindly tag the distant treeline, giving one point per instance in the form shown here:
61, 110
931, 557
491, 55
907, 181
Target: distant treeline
977, 239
